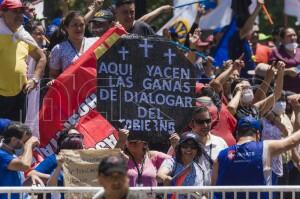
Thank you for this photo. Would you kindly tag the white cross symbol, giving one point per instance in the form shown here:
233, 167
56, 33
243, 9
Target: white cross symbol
123, 52
169, 54
145, 45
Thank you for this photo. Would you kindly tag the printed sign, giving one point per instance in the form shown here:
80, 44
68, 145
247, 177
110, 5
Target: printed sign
147, 85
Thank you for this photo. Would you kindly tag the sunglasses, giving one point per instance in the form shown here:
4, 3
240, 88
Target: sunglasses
191, 146
201, 122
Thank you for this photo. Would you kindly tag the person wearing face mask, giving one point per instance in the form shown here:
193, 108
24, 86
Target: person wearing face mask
277, 125
289, 53
242, 103
252, 155
11, 166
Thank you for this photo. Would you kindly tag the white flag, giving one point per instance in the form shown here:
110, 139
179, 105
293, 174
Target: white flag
217, 18
292, 8
182, 2
182, 21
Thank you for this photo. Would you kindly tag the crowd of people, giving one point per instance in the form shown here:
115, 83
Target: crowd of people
244, 128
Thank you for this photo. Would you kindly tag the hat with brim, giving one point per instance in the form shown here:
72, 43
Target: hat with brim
248, 123
263, 37
103, 16
111, 164
138, 137
189, 136
4, 123
12, 4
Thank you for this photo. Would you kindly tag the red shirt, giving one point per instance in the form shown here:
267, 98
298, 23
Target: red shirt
225, 127
290, 83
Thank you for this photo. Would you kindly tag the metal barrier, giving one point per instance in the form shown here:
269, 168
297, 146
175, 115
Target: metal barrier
163, 192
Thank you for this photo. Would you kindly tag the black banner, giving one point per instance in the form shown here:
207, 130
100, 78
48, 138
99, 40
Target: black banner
148, 86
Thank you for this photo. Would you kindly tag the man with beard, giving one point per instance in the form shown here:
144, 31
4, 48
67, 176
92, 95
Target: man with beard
11, 166
112, 176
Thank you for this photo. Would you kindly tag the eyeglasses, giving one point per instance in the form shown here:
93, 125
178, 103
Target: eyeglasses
201, 122
191, 146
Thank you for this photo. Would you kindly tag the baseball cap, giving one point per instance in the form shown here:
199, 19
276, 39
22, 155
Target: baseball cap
11, 4
4, 123
111, 164
249, 122
260, 70
263, 37
189, 136
138, 136
103, 16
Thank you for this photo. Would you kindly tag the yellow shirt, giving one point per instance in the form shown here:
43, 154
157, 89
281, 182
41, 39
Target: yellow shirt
13, 67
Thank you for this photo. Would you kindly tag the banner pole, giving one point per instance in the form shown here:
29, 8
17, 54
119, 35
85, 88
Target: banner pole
267, 14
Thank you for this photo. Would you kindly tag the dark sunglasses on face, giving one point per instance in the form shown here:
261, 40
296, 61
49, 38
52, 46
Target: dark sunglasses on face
199, 121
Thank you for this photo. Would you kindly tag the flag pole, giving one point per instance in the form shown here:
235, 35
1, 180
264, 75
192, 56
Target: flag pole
267, 14
186, 49
187, 4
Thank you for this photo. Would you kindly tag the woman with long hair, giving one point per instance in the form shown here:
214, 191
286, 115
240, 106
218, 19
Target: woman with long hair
143, 163
66, 52
187, 168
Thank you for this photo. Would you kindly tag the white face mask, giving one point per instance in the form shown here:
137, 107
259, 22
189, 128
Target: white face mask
247, 96
279, 107
291, 46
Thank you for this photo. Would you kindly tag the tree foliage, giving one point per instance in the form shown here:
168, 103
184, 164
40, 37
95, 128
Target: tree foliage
275, 8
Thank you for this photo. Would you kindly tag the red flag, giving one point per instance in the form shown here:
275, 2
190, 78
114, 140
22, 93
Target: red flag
71, 101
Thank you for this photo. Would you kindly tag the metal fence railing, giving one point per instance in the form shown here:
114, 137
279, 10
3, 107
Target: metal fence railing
224, 192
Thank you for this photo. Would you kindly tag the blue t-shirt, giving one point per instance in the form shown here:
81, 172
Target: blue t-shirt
241, 165
8, 178
48, 165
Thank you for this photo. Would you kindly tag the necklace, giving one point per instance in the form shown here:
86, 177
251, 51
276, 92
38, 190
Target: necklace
81, 47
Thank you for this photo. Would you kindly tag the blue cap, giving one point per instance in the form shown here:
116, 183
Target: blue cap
50, 30
249, 122
4, 123
56, 21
